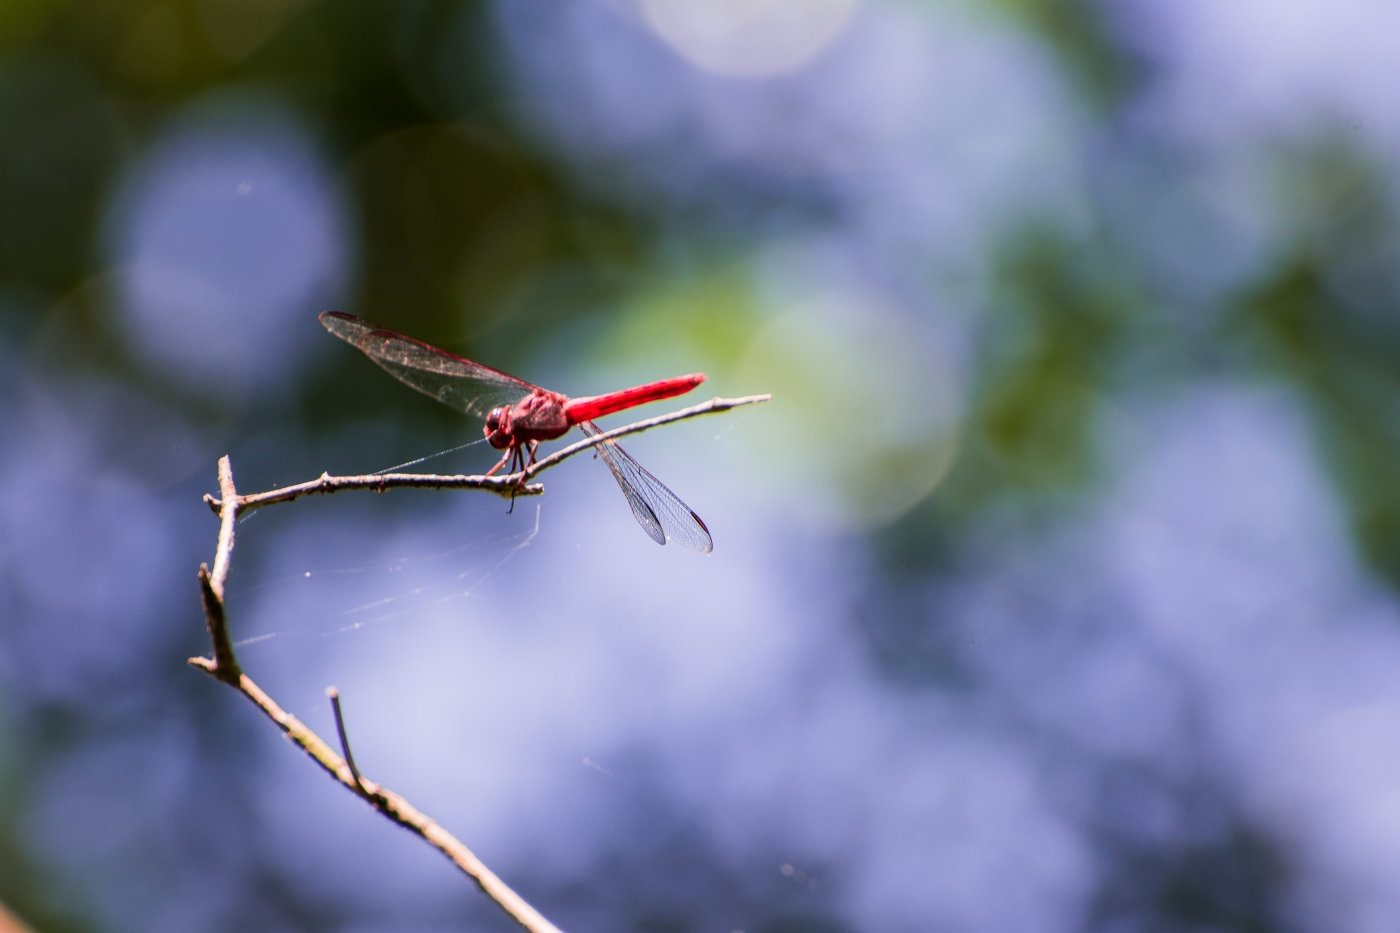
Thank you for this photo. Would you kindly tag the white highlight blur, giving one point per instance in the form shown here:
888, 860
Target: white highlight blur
748, 38
867, 409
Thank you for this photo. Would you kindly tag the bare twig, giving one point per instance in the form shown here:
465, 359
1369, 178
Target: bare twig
712, 407
211, 586
224, 554
224, 663
334, 696
224, 666
325, 483
391, 805
515, 484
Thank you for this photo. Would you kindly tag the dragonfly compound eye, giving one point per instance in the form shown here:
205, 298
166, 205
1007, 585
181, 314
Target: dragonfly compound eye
497, 429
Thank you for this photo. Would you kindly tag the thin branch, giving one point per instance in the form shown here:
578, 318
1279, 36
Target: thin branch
334, 696
211, 586
391, 805
325, 483
510, 486
228, 515
225, 663
712, 407
224, 666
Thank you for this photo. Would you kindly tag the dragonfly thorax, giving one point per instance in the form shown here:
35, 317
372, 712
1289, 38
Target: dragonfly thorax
539, 416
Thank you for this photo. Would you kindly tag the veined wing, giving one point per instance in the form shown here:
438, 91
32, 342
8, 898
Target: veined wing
659, 511
451, 379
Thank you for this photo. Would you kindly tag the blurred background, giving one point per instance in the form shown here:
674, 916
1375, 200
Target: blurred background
1056, 589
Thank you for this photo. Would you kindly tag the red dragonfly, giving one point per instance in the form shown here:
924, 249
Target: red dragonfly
520, 415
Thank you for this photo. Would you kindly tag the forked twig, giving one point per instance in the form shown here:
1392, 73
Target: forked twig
224, 666
211, 586
224, 663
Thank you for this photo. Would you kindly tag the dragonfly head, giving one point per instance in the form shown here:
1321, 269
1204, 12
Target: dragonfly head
497, 429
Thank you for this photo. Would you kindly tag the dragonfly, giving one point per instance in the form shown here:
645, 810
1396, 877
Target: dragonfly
519, 415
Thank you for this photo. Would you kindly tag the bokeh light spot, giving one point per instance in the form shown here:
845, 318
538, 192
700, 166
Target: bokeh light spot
866, 420
748, 38
231, 237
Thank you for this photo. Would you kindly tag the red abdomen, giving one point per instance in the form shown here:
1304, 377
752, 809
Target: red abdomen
586, 409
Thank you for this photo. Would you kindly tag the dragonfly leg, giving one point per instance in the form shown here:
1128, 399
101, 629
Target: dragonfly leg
492, 471
517, 464
520, 483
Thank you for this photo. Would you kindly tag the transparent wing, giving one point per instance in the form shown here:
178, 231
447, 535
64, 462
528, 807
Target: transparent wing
658, 510
451, 379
